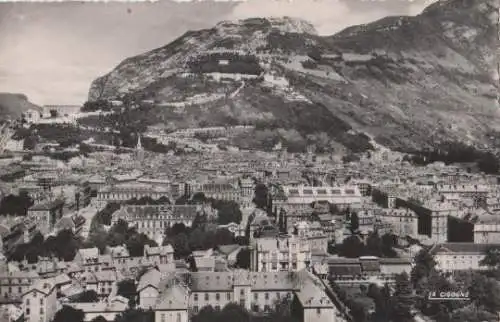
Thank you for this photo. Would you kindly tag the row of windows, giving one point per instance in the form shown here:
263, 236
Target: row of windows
164, 317
228, 296
28, 311
28, 301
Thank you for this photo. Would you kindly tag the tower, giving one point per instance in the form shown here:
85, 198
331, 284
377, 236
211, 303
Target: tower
139, 150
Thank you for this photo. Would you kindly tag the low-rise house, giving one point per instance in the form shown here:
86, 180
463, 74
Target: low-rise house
101, 282
15, 284
159, 254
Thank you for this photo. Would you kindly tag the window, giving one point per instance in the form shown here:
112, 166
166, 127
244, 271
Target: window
278, 295
217, 307
266, 296
217, 296
41, 301
41, 310
163, 317
266, 308
19, 289
28, 311
195, 309
27, 301
206, 297
318, 310
242, 292
255, 308
178, 317
228, 296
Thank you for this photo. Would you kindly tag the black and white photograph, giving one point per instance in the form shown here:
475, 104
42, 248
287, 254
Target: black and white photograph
250, 161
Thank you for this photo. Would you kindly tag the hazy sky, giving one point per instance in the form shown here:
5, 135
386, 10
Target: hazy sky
52, 51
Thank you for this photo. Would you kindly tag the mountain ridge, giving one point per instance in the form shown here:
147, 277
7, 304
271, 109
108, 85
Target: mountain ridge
13, 105
407, 81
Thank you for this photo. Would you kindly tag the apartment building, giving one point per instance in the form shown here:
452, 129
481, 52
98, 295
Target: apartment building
46, 215
14, 284
281, 253
102, 282
404, 222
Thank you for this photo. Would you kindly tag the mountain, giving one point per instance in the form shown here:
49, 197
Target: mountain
407, 82
13, 105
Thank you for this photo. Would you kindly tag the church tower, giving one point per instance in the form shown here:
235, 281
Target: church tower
139, 150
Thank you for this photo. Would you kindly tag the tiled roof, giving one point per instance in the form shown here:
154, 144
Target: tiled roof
461, 248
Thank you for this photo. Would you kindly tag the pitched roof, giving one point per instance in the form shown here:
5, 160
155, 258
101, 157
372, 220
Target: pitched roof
151, 278
228, 249
461, 248
175, 297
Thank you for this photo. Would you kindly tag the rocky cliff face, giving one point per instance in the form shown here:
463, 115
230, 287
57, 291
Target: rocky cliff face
406, 81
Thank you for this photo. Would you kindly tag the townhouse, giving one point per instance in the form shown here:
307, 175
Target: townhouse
40, 301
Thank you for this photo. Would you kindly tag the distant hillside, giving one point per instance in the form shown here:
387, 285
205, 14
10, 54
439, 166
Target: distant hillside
13, 105
408, 82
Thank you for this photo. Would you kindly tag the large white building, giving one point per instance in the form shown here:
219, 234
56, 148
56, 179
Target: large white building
452, 257
126, 191
301, 197
282, 253
176, 297
152, 220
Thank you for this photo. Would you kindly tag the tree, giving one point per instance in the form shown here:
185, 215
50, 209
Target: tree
67, 313
89, 296
243, 258
354, 222
223, 237
192, 264
228, 211
135, 244
402, 301
180, 243
491, 258
351, 247
206, 314
424, 264
473, 314
136, 315
485, 292
16, 205
381, 298
261, 196
234, 312
99, 318
373, 245
128, 289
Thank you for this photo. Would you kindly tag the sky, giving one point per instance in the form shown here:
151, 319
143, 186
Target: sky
53, 51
